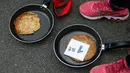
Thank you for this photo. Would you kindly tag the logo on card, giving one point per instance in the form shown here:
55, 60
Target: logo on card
74, 49
80, 49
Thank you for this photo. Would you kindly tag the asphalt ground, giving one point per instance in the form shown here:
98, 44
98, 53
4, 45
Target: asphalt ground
16, 57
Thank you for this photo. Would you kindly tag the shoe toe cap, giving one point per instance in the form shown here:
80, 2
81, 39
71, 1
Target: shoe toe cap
87, 8
84, 7
98, 69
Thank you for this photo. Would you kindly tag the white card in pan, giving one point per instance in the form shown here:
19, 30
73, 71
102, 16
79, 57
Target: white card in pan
77, 49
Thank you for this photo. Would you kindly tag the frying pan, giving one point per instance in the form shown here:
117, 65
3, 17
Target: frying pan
62, 38
46, 22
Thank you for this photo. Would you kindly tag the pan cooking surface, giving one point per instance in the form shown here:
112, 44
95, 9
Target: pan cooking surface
46, 22
45, 26
66, 34
63, 44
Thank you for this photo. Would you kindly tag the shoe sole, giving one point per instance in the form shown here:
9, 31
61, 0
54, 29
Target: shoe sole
108, 17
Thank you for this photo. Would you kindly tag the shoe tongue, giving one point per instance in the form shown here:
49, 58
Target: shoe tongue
101, 5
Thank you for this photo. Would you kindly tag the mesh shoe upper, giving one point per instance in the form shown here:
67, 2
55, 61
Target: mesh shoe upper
116, 67
100, 8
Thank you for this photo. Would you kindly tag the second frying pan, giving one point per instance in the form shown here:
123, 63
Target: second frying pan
46, 22
66, 34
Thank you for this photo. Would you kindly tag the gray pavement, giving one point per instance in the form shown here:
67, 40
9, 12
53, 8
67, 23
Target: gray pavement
16, 57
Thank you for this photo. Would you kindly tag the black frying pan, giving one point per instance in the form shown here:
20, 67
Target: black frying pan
46, 22
66, 34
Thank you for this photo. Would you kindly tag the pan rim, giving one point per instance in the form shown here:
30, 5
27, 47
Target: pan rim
34, 41
73, 65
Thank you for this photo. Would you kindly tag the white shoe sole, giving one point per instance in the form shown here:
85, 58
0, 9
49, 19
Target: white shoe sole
108, 17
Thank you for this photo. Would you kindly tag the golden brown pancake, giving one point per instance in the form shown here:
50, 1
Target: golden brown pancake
27, 23
88, 40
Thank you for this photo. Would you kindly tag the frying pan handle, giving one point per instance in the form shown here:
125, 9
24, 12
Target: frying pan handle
115, 45
46, 3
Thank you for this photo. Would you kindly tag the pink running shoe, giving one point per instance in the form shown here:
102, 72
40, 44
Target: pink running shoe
94, 10
116, 67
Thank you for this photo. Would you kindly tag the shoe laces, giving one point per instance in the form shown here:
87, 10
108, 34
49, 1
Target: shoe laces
101, 5
115, 67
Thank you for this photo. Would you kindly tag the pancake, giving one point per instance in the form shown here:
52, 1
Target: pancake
27, 23
88, 40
